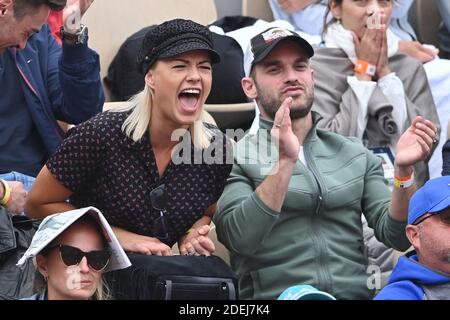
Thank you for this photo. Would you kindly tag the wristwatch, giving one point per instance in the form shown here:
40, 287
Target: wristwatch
75, 38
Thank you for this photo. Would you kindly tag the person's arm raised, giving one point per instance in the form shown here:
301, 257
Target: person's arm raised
272, 191
413, 146
241, 208
73, 12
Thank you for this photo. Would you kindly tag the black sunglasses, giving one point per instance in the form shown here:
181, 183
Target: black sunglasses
97, 260
159, 202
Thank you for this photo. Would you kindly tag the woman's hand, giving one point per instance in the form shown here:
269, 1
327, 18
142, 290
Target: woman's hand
373, 47
383, 60
197, 242
417, 51
133, 242
290, 6
368, 48
149, 246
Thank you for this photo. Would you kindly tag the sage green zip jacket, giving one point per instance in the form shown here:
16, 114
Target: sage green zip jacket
317, 238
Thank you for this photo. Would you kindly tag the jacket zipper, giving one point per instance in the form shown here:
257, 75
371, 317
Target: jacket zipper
30, 85
324, 276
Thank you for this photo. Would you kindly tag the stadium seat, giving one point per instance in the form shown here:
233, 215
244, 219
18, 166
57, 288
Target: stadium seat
111, 22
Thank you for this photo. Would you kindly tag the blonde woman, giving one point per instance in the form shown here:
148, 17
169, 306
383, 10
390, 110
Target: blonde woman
127, 162
78, 253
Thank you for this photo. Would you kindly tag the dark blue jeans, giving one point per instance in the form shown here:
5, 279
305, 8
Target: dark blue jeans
17, 176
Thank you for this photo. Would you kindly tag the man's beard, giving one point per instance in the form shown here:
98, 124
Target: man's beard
270, 105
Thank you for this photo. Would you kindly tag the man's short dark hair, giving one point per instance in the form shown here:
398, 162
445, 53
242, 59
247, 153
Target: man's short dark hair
24, 7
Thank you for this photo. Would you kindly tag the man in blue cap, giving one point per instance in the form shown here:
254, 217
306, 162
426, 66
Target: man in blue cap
424, 274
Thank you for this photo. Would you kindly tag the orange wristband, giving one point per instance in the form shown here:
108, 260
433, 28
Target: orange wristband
364, 67
404, 182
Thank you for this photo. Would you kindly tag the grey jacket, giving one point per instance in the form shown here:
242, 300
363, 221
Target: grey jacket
336, 102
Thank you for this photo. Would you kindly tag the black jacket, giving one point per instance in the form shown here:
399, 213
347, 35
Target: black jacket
16, 233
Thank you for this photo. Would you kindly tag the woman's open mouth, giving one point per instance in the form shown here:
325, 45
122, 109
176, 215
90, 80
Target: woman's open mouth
189, 99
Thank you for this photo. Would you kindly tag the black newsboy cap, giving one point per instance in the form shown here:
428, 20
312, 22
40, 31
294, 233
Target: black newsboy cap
172, 38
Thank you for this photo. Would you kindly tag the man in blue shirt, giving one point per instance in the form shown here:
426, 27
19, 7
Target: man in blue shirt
424, 274
41, 83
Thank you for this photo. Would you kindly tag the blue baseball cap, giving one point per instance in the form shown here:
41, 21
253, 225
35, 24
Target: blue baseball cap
433, 197
304, 292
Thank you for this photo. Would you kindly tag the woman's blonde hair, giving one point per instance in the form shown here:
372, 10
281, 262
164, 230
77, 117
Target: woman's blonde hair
137, 123
102, 292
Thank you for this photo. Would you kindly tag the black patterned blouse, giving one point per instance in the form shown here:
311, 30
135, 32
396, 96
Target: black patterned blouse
106, 169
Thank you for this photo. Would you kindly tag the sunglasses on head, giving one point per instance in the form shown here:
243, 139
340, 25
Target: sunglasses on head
70, 256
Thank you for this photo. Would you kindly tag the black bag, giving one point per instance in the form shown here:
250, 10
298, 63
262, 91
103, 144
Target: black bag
194, 288
16, 233
227, 74
173, 278
231, 23
124, 78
